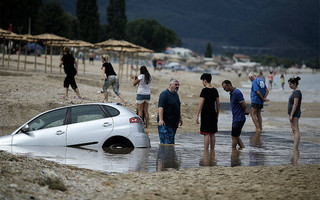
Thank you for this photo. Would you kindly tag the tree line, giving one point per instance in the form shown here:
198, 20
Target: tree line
50, 17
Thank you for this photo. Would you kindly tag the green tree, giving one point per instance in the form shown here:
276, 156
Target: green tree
151, 34
52, 19
17, 13
117, 19
88, 17
208, 52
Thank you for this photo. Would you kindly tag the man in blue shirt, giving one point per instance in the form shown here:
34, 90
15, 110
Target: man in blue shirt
169, 115
259, 93
239, 110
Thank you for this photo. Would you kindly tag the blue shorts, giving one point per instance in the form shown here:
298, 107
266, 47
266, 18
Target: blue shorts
256, 106
166, 134
141, 98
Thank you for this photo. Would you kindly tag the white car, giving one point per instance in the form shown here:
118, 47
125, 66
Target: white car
90, 125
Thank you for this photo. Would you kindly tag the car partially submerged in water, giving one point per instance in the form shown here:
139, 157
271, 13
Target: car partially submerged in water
91, 125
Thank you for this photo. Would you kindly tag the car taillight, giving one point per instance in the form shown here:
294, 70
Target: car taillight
134, 120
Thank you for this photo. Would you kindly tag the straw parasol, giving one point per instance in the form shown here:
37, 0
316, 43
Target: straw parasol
49, 38
10, 36
122, 46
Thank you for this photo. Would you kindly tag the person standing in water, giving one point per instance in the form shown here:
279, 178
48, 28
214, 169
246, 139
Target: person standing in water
209, 107
294, 109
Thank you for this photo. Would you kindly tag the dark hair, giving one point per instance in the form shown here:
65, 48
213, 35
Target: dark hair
227, 82
295, 80
207, 77
144, 70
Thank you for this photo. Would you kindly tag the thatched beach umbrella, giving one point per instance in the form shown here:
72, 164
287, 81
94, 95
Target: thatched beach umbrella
10, 36
122, 46
49, 39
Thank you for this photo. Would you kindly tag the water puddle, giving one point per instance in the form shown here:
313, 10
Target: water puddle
268, 149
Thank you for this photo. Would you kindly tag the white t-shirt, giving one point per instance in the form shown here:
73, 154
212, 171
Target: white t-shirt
143, 88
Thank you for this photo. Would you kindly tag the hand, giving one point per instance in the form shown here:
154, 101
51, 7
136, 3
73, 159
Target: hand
161, 123
246, 112
197, 120
290, 118
181, 122
265, 100
102, 78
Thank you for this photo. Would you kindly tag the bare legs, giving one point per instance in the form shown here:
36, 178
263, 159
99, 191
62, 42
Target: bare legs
256, 118
296, 132
237, 141
76, 91
209, 139
120, 96
143, 109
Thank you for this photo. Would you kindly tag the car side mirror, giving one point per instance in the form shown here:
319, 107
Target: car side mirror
25, 128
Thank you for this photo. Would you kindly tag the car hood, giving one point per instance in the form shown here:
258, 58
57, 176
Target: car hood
6, 140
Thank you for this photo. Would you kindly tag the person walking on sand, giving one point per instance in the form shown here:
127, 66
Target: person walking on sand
111, 79
143, 94
282, 81
294, 109
70, 67
209, 107
258, 95
270, 78
239, 110
169, 113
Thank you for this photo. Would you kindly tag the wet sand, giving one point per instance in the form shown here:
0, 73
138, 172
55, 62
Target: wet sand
27, 93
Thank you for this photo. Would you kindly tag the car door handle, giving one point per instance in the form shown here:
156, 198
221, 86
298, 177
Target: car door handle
106, 124
59, 132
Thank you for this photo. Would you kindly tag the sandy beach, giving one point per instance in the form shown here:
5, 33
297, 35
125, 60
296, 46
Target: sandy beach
24, 94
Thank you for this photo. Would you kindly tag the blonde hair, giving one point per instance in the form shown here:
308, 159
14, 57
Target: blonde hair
105, 58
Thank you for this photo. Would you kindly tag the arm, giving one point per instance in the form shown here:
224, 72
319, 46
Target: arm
218, 107
244, 107
136, 81
199, 109
264, 99
103, 72
294, 108
76, 64
61, 63
161, 122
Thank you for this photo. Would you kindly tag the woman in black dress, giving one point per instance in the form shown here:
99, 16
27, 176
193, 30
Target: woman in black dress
209, 108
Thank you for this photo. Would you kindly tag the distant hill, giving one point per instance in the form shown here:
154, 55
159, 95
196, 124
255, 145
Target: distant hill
283, 27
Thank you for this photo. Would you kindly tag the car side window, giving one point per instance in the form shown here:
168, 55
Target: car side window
86, 113
112, 111
48, 120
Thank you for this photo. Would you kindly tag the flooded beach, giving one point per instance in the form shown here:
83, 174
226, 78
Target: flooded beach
267, 149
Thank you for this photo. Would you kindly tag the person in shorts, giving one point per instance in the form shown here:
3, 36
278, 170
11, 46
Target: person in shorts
70, 67
143, 94
258, 95
111, 79
169, 113
239, 110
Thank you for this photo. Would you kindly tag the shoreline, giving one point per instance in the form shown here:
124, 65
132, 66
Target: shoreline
25, 94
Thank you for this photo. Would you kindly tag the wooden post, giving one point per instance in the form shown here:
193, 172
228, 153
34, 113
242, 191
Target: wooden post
25, 57
137, 61
127, 67
119, 63
9, 52
61, 57
131, 64
19, 55
51, 57
3, 50
45, 58
84, 60
35, 56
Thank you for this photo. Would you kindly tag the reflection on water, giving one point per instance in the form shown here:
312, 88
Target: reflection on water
167, 158
265, 149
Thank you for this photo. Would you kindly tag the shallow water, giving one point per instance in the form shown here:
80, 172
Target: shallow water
271, 148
